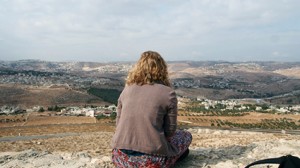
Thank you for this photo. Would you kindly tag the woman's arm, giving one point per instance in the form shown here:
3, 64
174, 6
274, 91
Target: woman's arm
170, 120
119, 109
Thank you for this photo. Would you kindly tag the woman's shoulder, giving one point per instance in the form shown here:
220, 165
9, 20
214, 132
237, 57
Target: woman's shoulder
161, 87
151, 87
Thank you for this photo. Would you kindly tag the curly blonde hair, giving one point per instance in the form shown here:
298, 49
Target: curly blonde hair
150, 68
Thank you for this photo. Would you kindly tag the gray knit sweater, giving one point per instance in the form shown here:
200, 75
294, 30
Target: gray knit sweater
146, 117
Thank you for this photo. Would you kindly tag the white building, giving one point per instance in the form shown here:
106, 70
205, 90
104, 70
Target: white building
90, 113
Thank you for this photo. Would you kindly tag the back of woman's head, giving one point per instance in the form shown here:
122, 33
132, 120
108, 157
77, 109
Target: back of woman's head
150, 68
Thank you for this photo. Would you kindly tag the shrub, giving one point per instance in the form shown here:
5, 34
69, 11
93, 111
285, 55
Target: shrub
113, 115
41, 109
101, 116
108, 95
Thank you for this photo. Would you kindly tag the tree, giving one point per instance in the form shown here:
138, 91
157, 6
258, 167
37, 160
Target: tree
101, 116
113, 115
264, 106
41, 109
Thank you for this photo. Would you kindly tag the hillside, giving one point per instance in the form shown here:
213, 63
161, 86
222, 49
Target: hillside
230, 80
29, 96
277, 82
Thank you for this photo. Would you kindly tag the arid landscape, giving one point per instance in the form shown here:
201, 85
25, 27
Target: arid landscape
29, 96
233, 65
88, 145
237, 112
43, 140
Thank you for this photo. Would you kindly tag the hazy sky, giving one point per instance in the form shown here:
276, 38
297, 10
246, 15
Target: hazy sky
120, 30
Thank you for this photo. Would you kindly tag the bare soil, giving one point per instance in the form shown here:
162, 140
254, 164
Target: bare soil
30, 96
86, 141
42, 124
196, 119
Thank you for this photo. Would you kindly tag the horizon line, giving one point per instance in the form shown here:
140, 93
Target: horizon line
171, 61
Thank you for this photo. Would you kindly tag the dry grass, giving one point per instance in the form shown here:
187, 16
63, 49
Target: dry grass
41, 124
48, 120
96, 143
29, 96
94, 137
196, 119
90, 136
291, 72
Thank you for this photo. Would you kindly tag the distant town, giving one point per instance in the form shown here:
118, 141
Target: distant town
199, 105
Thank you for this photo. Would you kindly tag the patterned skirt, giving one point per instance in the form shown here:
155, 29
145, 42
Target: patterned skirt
181, 139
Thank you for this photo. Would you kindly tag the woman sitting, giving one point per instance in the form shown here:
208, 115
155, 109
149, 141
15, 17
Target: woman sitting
146, 122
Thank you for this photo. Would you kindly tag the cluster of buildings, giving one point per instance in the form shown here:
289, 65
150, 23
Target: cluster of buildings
7, 110
88, 111
65, 111
77, 75
241, 105
197, 83
53, 79
110, 68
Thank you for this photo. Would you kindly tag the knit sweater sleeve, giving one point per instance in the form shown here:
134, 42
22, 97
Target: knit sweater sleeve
119, 109
170, 121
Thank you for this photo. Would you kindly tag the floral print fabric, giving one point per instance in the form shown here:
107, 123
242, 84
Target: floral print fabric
182, 139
